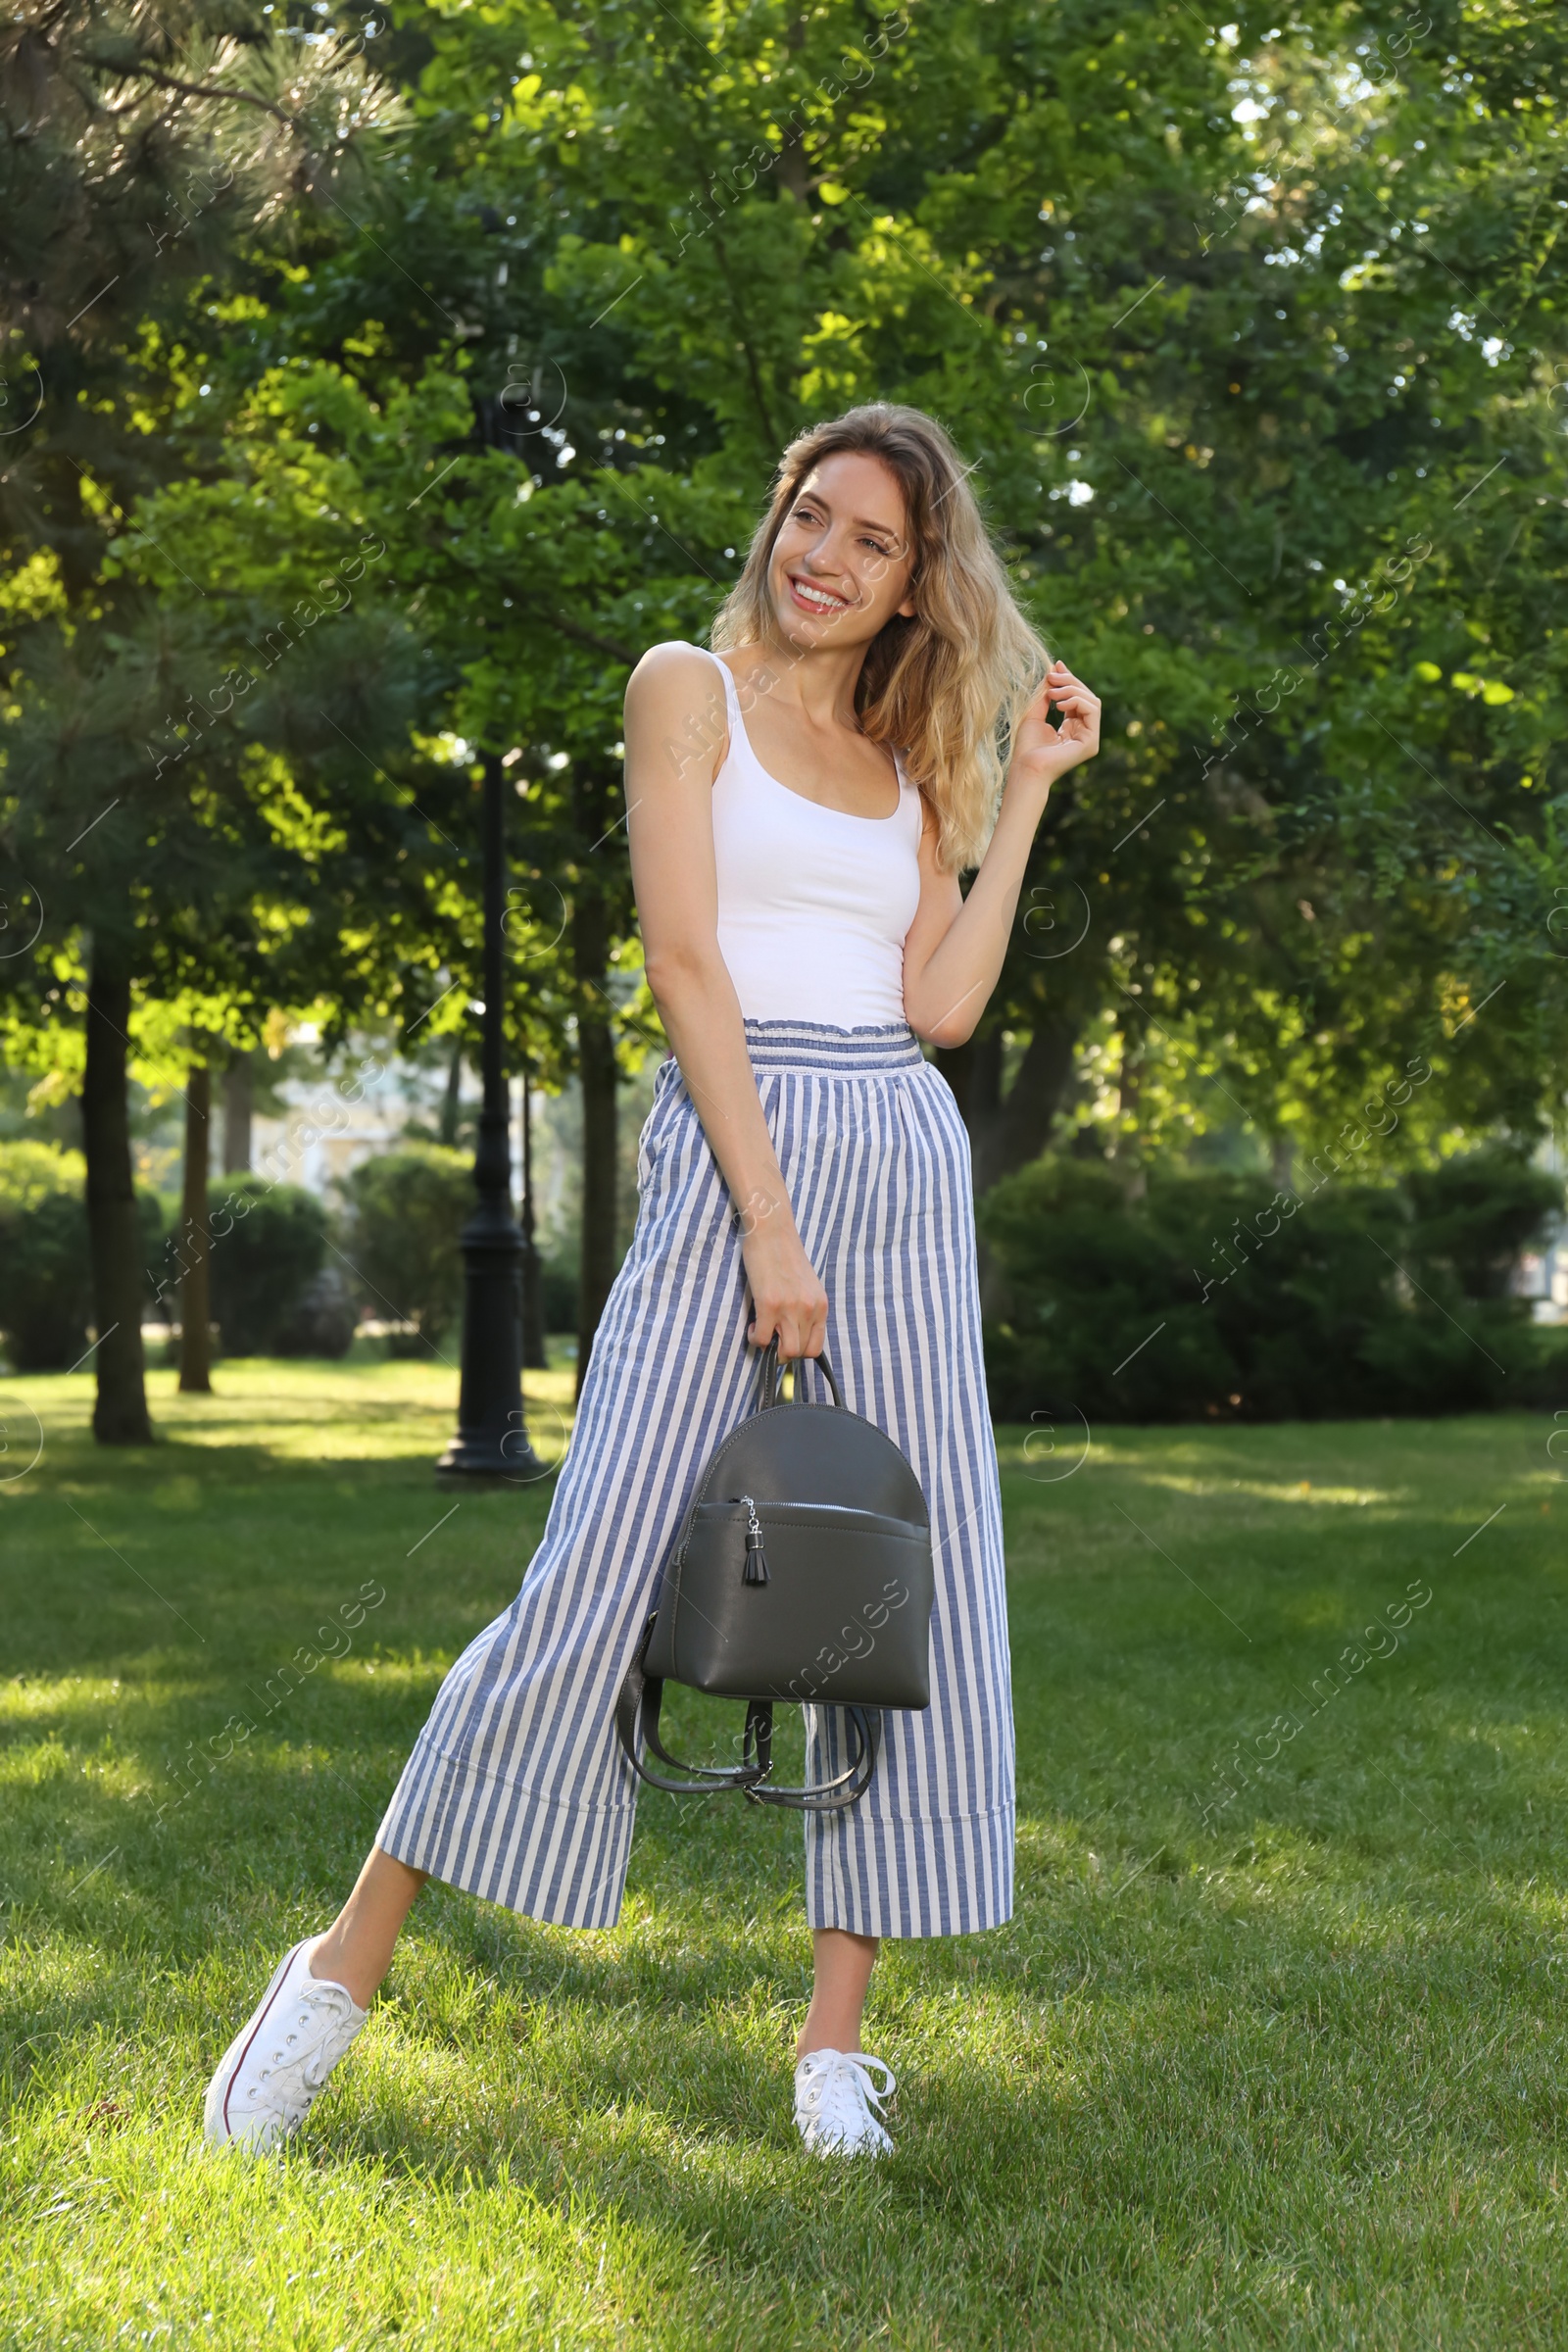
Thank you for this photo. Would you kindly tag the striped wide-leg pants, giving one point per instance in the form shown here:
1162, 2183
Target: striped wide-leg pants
516, 1789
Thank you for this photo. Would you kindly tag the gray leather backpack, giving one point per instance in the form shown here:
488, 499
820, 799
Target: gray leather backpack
803, 1572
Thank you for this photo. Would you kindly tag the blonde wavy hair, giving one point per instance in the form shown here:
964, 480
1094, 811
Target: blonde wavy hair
947, 688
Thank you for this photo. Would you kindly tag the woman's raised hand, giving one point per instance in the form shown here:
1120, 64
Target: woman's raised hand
1041, 752
788, 1301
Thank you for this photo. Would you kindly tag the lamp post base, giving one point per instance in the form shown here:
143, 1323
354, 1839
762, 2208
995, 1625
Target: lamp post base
482, 1466
492, 1442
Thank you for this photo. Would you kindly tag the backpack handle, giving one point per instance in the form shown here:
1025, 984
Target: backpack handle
772, 1376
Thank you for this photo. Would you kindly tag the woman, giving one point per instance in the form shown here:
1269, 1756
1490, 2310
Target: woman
878, 718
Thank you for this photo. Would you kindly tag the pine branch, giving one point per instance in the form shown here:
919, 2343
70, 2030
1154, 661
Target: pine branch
192, 89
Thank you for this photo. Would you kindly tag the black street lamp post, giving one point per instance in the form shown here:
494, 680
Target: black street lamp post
492, 1438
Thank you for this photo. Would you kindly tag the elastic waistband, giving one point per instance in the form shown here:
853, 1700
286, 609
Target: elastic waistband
815, 1046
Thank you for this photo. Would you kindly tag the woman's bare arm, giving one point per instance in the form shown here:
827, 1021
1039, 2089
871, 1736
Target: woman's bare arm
954, 949
676, 735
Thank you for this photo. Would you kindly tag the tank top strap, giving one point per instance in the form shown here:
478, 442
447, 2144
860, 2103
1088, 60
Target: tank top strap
912, 803
739, 742
732, 699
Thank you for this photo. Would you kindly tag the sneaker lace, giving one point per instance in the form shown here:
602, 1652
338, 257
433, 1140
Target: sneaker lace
838, 2096
325, 2013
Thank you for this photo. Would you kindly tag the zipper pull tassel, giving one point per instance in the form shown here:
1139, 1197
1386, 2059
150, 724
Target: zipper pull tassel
755, 1568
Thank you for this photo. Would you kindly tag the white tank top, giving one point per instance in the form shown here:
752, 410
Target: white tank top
814, 903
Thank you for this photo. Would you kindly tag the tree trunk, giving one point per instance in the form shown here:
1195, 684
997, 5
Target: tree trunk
195, 1288
1008, 1131
596, 1062
534, 1357
790, 170
973, 1070
1129, 1146
239, 1107
1028, 1112
596, 1065
114, 1239
451, 1100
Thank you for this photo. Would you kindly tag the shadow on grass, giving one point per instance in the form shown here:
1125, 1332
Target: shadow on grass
1305, 2031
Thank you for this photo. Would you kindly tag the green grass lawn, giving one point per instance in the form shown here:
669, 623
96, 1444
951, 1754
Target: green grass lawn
1283, 2066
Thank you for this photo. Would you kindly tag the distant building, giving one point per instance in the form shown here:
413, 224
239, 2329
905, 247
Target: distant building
332, 1124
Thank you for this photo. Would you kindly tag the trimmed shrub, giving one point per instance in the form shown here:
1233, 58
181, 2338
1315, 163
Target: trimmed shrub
1476, 1214
45, 1272
406, 1209
323, 1318
1204, 1300
45, 1261
268, 1242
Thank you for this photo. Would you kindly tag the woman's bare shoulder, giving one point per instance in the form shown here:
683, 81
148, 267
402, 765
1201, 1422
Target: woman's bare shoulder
675, 697
673, 668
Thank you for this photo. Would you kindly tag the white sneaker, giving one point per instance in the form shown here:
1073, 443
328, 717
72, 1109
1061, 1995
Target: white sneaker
271, 2071
837, 2105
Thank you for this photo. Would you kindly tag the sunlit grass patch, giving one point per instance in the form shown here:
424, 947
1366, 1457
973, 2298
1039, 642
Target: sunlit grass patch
1270, 2054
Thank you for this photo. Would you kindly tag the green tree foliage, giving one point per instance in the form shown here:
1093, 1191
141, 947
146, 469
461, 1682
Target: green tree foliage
140, 150
1169, 288
1253, 334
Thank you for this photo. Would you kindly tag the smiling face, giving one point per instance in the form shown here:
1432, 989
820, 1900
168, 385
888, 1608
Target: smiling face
842, 562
